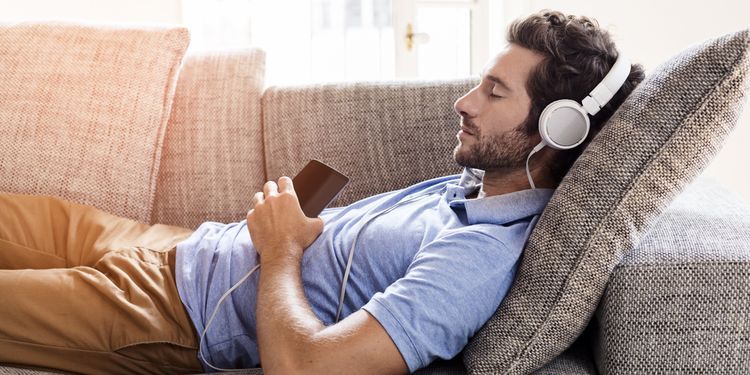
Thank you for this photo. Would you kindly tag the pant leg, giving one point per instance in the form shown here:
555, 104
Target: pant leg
40, 231
89, 292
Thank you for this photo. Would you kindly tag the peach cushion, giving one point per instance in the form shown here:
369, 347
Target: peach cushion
212, 162
83, 110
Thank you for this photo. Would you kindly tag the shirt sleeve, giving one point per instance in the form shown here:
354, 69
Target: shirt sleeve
452, 287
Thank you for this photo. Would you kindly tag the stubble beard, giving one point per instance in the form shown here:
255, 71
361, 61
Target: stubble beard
494, 152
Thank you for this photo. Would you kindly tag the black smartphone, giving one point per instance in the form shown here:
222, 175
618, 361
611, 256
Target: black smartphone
317, 185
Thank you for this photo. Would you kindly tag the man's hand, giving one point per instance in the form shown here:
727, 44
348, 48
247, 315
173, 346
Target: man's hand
291, 338
278, 227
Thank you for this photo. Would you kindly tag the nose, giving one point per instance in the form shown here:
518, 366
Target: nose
466, 105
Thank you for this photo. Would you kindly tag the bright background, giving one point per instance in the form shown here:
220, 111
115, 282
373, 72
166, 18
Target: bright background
310, 41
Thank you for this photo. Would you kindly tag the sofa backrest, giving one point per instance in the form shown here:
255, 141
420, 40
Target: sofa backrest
227, 135
384, 136
212, 158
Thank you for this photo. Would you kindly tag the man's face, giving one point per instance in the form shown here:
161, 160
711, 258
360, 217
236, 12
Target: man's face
492, 113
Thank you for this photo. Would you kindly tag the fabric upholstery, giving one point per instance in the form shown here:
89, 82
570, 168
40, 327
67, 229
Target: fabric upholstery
568, 363
25, 371
576, 360
384, 136
680, 301
665, 133
83, 110
212, 161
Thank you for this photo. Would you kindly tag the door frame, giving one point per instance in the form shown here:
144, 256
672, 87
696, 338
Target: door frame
404, 13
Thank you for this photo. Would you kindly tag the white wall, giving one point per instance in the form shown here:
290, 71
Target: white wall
99, 11
651, 31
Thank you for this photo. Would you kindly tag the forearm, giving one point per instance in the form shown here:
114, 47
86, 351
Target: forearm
286, 324
291, 339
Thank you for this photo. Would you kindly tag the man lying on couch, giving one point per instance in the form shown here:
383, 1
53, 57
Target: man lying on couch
91, 292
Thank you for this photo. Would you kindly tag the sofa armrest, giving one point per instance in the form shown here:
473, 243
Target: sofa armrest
680, 301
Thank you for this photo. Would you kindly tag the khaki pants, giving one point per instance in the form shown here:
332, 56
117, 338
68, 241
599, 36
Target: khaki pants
85, 291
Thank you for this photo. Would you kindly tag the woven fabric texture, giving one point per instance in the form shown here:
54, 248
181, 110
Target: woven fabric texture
384, 136
680, 301
212, 161
655, 144
24, 371
576, 360
83, 110
568, 364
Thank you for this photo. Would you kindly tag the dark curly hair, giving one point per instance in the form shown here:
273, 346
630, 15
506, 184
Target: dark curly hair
577, 54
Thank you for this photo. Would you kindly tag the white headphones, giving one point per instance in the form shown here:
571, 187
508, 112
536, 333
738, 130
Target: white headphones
564, 124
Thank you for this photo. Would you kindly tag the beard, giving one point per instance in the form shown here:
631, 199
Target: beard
493, 152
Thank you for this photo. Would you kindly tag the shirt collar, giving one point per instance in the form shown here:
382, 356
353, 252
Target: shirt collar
497, 209
471, 178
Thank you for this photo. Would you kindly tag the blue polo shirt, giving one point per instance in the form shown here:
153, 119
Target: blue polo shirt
430, 265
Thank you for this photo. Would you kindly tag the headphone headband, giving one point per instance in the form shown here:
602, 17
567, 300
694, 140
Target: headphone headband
606, 89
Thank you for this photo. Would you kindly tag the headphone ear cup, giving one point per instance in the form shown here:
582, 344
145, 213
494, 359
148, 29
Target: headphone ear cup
564, 124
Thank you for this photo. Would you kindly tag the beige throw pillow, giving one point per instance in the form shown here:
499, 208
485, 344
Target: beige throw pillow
83, 110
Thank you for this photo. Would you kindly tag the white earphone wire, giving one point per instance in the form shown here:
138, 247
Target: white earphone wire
533, 151
343, 282
345, 279
213, 315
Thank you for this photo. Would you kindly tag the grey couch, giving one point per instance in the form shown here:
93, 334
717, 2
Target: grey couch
677, 300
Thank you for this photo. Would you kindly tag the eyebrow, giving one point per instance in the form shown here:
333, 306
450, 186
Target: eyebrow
496, 80
500, 82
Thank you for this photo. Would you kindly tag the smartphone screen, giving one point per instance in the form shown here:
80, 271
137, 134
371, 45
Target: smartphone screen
317, 185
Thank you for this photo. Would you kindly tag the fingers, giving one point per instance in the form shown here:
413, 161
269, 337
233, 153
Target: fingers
285, 184
257, 198
270, 189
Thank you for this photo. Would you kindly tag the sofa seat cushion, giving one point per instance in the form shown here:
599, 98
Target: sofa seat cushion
657, 142
83, 110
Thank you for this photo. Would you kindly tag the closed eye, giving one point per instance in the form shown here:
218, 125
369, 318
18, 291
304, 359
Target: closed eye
493, 91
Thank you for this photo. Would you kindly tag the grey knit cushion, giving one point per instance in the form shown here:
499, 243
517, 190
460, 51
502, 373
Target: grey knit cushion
576, 360
384, 136
680, 301
661, 138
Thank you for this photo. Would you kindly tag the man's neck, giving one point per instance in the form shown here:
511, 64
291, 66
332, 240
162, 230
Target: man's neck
507, 181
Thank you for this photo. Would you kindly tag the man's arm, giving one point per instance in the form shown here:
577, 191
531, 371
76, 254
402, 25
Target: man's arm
291, 339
